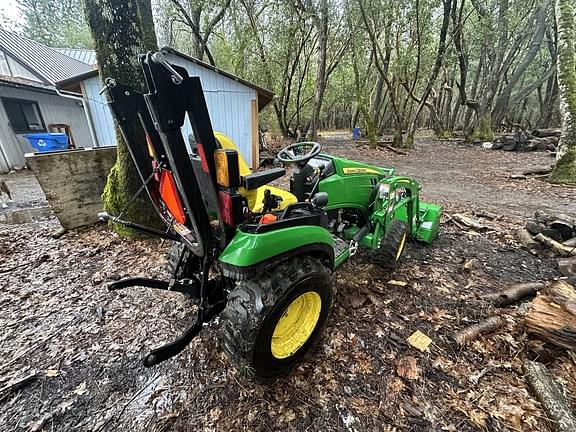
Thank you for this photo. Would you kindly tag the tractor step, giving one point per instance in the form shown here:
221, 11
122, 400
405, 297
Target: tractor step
341, 250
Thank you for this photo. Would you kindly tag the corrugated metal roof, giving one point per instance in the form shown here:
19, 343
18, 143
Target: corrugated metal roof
23, 82
51, 65
82, 55
264, 96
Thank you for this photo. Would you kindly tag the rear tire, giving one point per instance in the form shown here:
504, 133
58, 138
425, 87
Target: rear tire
271, 321
392, 245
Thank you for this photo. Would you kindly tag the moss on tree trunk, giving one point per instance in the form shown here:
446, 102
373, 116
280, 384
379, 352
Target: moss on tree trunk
565, 169
483, 130
121, 30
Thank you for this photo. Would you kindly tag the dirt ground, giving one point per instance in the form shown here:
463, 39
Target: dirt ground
84, 345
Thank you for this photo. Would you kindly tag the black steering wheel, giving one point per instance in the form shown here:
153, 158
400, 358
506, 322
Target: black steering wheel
299, 153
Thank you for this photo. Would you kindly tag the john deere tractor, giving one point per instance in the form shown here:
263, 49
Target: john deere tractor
259, 257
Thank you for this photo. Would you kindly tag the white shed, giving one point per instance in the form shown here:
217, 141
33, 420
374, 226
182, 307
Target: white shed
233, 104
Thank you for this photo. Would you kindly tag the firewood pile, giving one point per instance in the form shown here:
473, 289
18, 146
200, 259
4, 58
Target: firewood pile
544, 310
537, 140
552, 233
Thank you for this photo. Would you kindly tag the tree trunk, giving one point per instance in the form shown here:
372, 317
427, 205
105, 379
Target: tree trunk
321, 22
504, 97
433, 75
565, 169
122, 29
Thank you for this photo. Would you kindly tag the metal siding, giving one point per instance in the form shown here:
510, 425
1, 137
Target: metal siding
54, 109
228, 103
100, 113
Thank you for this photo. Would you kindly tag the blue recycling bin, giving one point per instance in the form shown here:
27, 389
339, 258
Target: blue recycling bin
45, 142
356, 133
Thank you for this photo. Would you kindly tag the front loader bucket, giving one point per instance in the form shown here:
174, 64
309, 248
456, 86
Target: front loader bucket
429, 222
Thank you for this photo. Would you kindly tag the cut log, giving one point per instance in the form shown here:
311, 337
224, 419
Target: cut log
543, 217
537, 170
564, 227
525, 238
552, 316
550, 396
553, 234
567, 266
534, 227
546, 217
474, 331
541, 133
556, 246
514, 293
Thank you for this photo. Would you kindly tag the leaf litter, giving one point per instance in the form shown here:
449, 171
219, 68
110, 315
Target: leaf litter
364, 374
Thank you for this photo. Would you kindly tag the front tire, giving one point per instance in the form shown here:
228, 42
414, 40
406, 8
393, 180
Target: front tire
392, 245
271, 321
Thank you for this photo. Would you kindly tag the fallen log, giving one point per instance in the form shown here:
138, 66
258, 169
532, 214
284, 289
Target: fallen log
476, 225
537, 170
514, 293
542, 133
474, 331
552, 316
395, 150
525, 238
550, 396
570, 242
556, 246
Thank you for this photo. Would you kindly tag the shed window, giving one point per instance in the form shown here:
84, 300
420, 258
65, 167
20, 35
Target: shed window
24, 115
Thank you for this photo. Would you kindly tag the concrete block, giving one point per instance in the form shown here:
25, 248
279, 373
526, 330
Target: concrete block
73, 182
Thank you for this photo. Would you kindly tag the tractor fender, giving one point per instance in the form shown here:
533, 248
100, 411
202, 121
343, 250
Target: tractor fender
249, 254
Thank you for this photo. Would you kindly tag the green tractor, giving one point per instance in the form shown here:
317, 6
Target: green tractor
259, 257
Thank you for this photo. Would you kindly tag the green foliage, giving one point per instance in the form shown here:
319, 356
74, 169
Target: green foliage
55, 23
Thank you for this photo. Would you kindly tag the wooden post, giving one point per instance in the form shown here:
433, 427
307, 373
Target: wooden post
255, 140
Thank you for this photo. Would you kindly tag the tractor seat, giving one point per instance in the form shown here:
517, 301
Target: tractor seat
254, 196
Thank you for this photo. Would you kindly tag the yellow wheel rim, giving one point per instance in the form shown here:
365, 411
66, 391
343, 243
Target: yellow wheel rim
401, 246
296, 325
